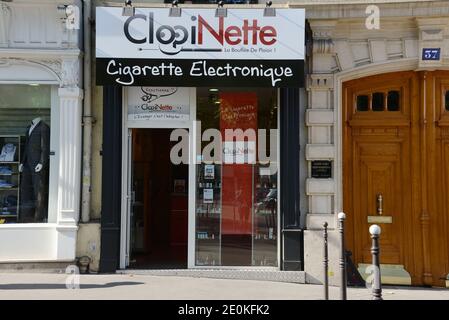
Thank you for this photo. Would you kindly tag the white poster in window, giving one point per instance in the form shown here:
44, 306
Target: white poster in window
158, 103
265, 171
209, 172
208, 195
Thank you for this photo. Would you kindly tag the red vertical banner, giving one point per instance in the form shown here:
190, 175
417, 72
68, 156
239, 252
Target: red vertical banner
238, 111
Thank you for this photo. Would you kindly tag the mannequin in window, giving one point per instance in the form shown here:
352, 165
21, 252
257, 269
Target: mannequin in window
34, 172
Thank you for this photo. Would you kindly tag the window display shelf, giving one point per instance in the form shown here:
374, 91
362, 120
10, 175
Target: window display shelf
10, 148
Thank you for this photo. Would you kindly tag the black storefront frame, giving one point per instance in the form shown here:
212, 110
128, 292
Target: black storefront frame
291, 234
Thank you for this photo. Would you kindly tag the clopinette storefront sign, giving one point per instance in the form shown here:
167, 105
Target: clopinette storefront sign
158, 103
152, 48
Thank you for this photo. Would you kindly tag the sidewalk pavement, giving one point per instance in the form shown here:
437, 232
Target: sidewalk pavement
128, 286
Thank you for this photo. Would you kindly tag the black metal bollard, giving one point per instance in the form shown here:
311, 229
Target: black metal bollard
375, 230
341, 228
326, 263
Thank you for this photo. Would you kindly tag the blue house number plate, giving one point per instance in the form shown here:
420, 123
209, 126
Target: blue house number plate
431, 53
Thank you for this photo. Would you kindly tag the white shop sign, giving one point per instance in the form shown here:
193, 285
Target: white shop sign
152, 48
198, 34
158, 103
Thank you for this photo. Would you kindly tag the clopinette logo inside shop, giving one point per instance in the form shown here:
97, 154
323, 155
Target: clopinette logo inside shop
151, 94
158, 103
171, 40
152, 48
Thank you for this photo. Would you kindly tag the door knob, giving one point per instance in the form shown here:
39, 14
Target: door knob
380, 204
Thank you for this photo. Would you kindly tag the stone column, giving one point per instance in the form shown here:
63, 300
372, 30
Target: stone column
70, 108
320, 121
5, 24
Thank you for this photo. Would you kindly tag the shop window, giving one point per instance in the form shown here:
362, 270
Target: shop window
25, 121
393, 100
362, 103
378, 101
237, 197
446, 100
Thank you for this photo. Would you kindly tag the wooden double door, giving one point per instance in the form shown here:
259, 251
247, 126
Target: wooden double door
396, 171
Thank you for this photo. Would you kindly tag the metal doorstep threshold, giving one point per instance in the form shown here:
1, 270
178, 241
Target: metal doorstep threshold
240, 274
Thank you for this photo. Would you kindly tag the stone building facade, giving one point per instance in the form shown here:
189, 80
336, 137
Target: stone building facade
348, 46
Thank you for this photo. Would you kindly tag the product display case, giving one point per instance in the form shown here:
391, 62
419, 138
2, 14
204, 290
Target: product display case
9, 178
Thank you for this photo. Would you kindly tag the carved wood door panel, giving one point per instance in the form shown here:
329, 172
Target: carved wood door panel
382, 183
380, 171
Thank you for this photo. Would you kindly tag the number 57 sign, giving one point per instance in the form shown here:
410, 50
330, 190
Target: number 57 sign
432, 54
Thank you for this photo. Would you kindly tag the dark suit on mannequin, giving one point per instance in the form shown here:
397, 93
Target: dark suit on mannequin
34, 185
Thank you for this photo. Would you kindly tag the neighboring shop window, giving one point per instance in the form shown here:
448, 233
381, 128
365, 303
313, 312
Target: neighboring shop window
237, 200
24, 146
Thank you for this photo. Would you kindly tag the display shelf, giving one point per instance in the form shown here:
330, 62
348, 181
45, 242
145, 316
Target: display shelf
13, 178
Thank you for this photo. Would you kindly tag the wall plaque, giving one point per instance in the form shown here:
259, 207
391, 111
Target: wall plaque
322, 169
432, 54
